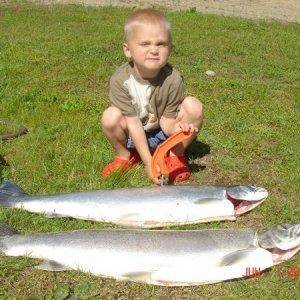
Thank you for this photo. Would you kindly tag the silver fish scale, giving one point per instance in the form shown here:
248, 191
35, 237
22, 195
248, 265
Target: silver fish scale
155, 241
132, 195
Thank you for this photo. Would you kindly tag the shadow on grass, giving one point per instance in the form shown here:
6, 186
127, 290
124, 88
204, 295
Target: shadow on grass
195, 151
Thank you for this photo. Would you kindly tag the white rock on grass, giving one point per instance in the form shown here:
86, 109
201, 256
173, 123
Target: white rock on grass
210, 73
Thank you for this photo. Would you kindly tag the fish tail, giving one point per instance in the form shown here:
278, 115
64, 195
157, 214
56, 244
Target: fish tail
5, 231
8, 190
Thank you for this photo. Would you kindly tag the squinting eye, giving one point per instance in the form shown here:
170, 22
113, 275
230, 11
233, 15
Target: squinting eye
162, 44
144, 44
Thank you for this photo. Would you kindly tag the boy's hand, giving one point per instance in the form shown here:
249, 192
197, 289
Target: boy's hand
185, 127
148, 170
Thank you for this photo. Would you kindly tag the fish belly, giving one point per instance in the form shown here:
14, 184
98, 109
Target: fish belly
206, 273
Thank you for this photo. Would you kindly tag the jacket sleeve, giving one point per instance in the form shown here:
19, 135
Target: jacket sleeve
175, 96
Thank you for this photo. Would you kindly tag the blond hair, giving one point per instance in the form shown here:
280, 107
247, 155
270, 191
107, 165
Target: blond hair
145, 16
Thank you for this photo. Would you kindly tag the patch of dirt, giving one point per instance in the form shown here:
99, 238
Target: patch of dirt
281, 10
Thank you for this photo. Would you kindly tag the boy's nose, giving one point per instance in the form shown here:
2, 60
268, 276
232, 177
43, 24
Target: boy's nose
154, 49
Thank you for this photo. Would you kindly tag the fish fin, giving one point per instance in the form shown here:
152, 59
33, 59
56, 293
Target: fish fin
129, 219
144, 276
9, 189
50, 265
128, 216
236, 257
5, 231
52, 215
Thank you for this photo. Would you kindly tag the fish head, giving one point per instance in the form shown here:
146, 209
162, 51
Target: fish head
283, 237
283, 241
246, 193
245, 197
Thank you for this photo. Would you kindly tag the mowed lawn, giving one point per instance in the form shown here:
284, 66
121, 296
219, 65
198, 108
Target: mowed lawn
55, 63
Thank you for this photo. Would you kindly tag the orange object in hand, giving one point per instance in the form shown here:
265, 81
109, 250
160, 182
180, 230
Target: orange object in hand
158, 163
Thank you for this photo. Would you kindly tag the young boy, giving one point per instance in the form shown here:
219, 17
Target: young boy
147, 99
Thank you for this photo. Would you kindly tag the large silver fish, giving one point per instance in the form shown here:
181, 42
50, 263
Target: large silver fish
146, 207
174, 258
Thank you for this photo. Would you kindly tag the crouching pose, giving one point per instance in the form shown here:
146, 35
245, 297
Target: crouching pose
147, 99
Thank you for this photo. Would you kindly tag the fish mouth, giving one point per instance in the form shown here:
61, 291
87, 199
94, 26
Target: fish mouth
243, 207
280, 256
245, 197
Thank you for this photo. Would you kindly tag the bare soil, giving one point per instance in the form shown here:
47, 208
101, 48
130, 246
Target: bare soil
280, 10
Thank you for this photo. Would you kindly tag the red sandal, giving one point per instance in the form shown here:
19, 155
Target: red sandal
178, 169
120, 164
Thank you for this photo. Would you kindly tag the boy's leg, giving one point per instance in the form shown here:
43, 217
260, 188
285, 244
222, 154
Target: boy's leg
191, 112
115, 129
190, 115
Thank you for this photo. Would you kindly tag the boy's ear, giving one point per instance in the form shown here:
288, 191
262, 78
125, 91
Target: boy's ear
126, 50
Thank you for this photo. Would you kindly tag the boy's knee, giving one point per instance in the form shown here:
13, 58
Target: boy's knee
193, 107
111, 118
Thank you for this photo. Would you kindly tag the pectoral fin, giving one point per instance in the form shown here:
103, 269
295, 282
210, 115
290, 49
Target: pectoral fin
236, 257
252, 256
50, 265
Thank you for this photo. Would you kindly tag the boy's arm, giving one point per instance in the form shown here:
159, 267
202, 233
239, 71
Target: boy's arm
137, 134
169, 122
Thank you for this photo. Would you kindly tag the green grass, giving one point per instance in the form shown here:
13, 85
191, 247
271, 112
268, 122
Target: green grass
55, 62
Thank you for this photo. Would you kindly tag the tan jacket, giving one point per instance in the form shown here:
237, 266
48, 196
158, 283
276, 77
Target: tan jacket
147, 99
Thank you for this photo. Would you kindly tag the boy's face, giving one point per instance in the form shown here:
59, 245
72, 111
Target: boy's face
149, 47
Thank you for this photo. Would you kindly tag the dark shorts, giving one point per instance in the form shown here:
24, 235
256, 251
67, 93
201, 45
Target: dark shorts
154, 139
